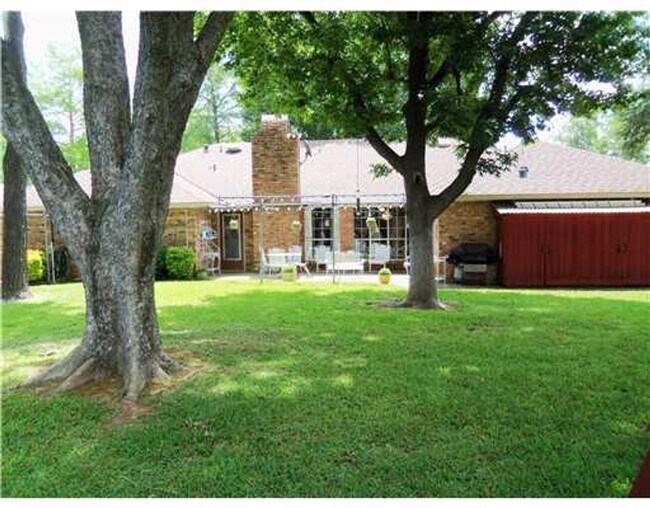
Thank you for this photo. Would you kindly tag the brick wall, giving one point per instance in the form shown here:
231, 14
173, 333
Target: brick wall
184, 225
466, 222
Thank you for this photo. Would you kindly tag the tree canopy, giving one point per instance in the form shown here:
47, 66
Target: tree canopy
348, 71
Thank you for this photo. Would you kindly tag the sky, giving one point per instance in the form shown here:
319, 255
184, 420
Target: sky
59, 26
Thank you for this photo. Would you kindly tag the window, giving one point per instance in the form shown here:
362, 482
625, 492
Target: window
391, 222
319, 231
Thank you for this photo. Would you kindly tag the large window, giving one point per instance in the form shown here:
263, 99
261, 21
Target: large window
391, 222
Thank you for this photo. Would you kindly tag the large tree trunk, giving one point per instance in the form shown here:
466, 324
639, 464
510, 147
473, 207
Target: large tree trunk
14, 229
121, 335
422, 291
114, 233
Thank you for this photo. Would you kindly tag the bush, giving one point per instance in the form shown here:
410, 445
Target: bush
180, 262
161, 264
35, 265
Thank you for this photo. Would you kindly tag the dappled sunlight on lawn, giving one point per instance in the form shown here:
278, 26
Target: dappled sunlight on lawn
295, 390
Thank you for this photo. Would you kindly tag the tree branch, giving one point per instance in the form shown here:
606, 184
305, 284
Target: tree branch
107, 109
384, 149
25, 128
210, 36
440, 74
481, 137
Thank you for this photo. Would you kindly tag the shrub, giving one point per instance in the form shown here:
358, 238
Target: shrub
161, 264
180, 262
35, 265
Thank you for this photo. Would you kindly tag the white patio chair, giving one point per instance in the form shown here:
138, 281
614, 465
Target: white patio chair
379, 254
266, 268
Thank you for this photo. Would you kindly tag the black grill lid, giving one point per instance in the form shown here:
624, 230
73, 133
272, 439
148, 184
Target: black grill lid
479, 253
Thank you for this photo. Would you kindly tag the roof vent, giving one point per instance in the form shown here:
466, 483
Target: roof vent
523, 172
233, 149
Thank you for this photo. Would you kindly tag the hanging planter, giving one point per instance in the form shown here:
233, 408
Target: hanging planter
371, 224
295, 226
233, 224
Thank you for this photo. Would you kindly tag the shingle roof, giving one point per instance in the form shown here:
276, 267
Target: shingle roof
554, 171
342, 166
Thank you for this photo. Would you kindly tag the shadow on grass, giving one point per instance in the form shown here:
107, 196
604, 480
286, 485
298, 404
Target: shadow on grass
316, 393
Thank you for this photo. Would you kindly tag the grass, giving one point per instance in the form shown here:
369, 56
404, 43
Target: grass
319, 391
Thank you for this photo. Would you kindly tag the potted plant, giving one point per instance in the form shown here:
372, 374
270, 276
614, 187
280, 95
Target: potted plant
289, 273
384, 275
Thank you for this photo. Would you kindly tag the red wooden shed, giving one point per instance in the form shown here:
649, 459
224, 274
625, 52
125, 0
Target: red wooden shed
575, 247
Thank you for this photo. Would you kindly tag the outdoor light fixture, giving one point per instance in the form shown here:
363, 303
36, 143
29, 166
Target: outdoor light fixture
523, 172
295, 226
233, 224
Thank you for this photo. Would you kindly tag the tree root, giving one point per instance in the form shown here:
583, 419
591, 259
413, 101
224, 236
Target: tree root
432, 304
79, 368
61, 370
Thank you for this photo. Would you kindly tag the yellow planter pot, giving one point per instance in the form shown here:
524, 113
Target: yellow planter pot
384, 277
290, 275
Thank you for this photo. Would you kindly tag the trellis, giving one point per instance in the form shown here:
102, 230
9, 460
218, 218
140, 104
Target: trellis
336, 202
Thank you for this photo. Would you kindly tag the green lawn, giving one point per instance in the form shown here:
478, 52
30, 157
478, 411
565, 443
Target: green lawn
317, 390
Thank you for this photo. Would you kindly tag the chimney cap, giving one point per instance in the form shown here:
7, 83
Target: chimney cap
274, 118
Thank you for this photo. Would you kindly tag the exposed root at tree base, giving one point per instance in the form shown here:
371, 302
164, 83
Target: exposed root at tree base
81, 374
405, 304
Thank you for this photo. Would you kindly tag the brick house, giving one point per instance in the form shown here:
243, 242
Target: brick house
280, 191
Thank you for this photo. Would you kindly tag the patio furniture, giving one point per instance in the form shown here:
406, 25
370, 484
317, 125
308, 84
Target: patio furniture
294, 257
321, 253
267, 267
379, 254
348, 261
213, 260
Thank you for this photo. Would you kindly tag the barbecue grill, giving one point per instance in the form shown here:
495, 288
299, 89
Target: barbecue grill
471, 262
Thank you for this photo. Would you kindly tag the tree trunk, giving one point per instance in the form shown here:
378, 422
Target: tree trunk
14, 231
113, 234
422, 291
121, 336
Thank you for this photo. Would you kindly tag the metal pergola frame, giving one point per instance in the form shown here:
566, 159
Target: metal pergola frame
276, 202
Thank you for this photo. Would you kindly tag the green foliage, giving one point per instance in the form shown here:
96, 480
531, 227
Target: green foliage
180, 262
622, 132
348, 71
57, 87
35, 265
636, 128
380, 170
216, 115
511, 394
76, 153
161, 264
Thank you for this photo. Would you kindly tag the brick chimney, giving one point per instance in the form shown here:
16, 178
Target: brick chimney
275, 154
276, 171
